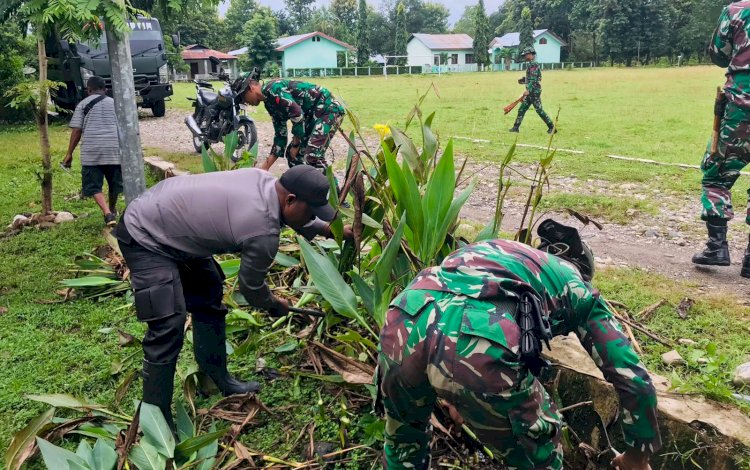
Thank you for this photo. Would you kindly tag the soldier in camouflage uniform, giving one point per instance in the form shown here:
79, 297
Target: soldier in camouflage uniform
315, 116
533, 93
453, 334
729, 47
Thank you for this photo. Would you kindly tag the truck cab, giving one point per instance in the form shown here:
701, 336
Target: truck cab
73, 64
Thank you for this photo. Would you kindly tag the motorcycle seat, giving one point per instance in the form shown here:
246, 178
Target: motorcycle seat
207, 96
203, 83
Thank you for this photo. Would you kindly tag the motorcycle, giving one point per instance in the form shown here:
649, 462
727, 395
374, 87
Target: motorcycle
219, 114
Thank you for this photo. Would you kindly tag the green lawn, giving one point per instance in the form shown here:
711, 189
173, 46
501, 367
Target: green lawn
660, 114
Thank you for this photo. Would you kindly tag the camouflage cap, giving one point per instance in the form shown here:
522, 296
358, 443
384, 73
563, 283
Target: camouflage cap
528, 50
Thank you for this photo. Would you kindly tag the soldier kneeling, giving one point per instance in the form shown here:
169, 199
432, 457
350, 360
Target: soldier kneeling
468, 331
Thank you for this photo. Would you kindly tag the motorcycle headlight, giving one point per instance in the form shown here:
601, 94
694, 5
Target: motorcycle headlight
86, 74
163, 74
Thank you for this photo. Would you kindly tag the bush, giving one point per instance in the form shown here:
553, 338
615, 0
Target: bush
16, 52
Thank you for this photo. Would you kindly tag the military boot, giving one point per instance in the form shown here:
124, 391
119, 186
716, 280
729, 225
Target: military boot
209, 344
716, 252
158, 386
746, 263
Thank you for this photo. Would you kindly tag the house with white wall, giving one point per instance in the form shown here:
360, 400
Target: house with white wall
547, 44
441, 52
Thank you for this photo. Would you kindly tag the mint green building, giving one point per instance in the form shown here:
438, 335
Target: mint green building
309, 51
546, 43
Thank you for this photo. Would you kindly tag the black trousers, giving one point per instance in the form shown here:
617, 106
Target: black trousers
165, 290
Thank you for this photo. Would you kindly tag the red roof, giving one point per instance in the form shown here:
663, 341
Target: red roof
289, 41
199, 52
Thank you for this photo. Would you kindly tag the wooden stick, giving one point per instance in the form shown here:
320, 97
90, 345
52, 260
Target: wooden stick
627, 330
645, 331
577, 405
648, 312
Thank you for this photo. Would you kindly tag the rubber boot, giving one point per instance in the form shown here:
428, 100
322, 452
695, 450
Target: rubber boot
746, 263
716, 252
209, 344
513, 129
551, 130
158, 387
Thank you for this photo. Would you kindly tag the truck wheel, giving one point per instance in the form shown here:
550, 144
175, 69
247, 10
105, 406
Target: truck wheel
159, 108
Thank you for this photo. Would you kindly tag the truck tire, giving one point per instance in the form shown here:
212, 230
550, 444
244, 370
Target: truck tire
159, 108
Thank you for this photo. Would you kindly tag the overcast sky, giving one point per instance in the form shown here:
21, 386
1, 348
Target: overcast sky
456, 7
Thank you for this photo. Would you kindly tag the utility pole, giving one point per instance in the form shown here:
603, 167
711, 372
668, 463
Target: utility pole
123, 91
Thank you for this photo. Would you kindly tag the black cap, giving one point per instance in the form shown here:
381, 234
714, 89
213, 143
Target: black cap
310, 186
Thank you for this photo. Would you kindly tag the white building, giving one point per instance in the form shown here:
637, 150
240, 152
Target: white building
442, 52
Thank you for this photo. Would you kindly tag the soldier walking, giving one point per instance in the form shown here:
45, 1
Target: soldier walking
460, 332
730, 47
533, 93
315, 116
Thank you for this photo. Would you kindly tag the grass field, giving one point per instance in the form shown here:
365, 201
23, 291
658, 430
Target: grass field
662, 114
659, 114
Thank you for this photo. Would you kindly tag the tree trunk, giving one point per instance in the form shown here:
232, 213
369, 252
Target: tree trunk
126, 111
44, 130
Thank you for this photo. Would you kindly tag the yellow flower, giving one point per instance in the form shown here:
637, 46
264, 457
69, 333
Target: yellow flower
382, 129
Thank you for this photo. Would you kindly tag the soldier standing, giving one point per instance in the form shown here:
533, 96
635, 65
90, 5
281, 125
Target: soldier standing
315, 116
533, 93
730, 47
456, 332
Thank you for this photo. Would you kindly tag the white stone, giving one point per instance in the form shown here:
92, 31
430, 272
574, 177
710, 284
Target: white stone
64, 217
686, 342
742, 374
19, 221
672, 358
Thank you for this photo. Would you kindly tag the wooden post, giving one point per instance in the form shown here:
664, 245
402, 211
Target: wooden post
126, 111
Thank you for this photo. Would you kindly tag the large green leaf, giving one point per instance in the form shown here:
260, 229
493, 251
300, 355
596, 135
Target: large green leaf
156, 430
430, 143
407, 196
88, 281
230, 267
59, 400
208, 163
407, 149
85, 452
329, 282
146, 457
285, 260
105, 456
453, 212
365, 293
207, 454
56, 457
384, 266
191, 445
183, 422
437, 201
337, 225
19, 449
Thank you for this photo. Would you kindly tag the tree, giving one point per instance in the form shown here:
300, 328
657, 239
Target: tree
300, 12
526, 29
238, 14
345, 13
16, 51
381, 32
465, 24
199, 26
363, 42
260, 36
481, 35
401, 32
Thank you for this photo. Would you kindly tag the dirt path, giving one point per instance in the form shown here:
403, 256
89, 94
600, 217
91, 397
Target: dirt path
661, 243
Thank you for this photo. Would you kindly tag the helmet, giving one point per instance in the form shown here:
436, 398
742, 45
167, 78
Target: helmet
563, 241
528, 50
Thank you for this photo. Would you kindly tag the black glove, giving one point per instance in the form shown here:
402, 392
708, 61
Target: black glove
280, 308
720, 106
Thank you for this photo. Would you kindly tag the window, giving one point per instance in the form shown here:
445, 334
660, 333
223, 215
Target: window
454, 59
470, 59
542, 41
316, 39
436, 60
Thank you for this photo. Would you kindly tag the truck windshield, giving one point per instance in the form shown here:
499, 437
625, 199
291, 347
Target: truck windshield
145, 34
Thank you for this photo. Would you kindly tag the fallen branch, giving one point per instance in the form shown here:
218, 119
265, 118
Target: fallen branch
627, 329
577, 405
645, 331
648, 312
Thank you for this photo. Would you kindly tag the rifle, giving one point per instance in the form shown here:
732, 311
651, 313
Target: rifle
510, 107
719, 105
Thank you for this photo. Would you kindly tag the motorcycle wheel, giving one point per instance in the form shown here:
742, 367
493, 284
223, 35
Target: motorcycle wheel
198, 143
247, 137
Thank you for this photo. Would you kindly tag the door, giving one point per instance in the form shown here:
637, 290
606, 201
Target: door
193, 70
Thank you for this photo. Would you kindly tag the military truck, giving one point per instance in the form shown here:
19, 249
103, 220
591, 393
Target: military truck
73, 64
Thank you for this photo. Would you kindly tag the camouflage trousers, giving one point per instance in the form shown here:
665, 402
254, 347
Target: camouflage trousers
438, 354
319, 130
535, 100
720, 171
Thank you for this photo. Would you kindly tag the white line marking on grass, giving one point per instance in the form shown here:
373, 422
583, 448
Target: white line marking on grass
654, 162
484, 141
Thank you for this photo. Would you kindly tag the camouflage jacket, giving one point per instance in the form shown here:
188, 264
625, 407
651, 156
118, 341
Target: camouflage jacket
533, 80
730, 47
498, 270
290, 100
